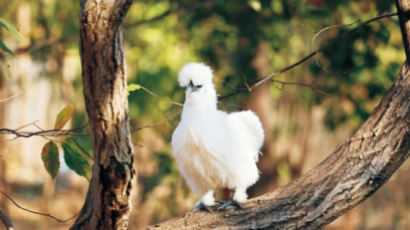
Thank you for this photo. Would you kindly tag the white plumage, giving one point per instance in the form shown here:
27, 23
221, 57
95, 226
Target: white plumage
214, 149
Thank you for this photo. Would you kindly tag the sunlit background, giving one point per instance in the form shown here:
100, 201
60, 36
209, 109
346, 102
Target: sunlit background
306, 112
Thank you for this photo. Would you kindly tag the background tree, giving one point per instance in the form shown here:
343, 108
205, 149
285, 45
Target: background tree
107, 205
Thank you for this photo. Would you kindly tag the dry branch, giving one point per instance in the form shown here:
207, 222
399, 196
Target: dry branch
247, 86
34, 212
262, 80
41, 133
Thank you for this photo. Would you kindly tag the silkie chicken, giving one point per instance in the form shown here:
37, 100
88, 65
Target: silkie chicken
214, 149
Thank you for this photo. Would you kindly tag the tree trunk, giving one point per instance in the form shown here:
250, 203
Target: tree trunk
352, 173
107, 204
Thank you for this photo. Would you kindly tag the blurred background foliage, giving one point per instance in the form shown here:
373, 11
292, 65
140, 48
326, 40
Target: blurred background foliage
306, 111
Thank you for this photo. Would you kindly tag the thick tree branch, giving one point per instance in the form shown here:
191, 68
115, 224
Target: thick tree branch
354, 171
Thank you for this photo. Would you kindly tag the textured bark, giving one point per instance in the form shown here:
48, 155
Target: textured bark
107, 204
352, 173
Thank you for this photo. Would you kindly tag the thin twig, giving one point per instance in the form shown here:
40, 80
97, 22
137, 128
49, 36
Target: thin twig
170, 11
10, 98
71, 132
310, 86
34, 212
262, 80
247, 86
156, 123
160, 97
153, 19
43, 44
42, 133
317, 35
245, 82
6, 221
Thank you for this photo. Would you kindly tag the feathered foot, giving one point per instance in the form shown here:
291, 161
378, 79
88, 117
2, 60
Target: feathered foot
231, 202
200, 206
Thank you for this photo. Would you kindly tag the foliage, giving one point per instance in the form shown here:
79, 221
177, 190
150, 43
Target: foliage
13, 31
64, 116
49, 155
76, 161
76, 150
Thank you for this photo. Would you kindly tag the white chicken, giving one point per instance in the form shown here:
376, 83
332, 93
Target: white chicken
214, 149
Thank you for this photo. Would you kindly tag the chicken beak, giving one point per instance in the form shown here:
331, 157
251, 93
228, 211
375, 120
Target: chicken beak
193, 89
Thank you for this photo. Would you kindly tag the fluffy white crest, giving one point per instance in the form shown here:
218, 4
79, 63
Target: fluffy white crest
198, 73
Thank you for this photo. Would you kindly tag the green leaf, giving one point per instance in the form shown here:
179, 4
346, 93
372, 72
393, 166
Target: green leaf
5, 48
133, 87
64, 116
12, 30
51, 162
76, 162
2, 23
83, 145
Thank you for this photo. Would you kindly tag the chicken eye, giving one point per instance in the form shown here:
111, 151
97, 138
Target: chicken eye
199, 86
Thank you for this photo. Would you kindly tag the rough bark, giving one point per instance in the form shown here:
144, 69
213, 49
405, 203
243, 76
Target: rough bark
352, 173
107, 204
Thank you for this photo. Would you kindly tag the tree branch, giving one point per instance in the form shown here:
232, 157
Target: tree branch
10, 97
170, 11
72, 132
153, 19
42, 44
34, 212
310, 86
354, 171
42, 133
262, 80
246, 85
160, 97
